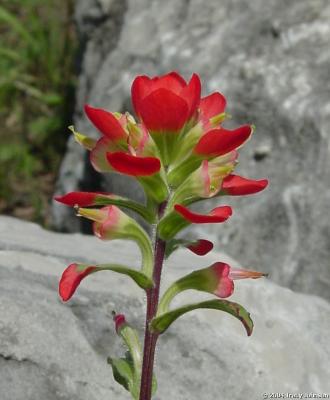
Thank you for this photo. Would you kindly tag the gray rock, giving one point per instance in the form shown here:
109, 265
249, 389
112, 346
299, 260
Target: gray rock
271, 60
55, 351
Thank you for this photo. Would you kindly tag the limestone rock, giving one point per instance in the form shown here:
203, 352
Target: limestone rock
55, 351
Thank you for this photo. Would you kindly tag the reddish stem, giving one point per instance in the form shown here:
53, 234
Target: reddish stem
150, 339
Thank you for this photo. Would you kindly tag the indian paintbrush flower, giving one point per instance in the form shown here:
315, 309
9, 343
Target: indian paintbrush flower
180, 152
217, 279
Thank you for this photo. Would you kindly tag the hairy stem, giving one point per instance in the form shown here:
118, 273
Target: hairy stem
150, 339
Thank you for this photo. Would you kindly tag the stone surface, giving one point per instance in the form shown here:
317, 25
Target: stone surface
55, 351
271, 60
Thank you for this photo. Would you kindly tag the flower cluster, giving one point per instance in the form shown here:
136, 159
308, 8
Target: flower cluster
180, 152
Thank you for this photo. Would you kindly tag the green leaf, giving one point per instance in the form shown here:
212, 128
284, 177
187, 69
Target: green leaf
138, 277
120, 201
155, 187
127, 371
122, 370
163, 321
173, 245
52, 99
9, 53
154, 385
171, 224
131, 338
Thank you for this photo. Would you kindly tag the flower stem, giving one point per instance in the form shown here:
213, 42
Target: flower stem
150, 339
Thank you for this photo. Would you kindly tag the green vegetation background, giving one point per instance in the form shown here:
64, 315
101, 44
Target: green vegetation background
37, 53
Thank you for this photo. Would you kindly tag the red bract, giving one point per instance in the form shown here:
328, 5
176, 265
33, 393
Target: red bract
106, 123
235, 185
167, 102
221, 141
224, 286
222, 276
82, 199
210, 107
124, 145
218, 214
200, 247
132, 165
71, 279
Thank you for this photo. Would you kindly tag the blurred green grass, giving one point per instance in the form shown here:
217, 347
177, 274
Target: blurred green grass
37, 53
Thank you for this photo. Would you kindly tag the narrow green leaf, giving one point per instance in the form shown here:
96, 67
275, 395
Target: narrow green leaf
9, 53
122, 371
163, 321
171, 224
127, 203
173, 245
134, 354
154, 385
138, 277
155, 187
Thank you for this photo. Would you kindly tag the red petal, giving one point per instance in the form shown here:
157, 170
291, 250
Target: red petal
106, 123
82, 199
192, 94
140, 89
201, 247
221, 141
212, 105
71, 279
236, 185
218, 214
171, 81
132, 165
163, 110
143, 86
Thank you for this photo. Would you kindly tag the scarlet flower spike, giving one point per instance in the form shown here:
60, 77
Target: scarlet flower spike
218, 214
106, 123
221, 141
133, 165
179, 153
235, 185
